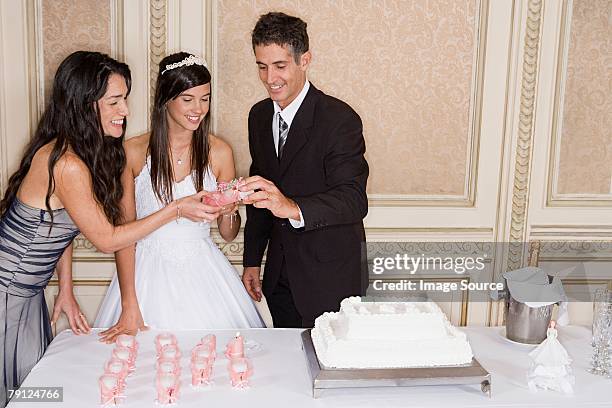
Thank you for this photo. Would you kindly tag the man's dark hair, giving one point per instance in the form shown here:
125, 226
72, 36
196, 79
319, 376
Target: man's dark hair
281, 29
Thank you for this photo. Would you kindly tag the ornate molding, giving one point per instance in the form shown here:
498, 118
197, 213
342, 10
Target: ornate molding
576, 250
522, 163
157, 39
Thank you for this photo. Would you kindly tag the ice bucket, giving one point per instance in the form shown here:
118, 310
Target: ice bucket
526, 324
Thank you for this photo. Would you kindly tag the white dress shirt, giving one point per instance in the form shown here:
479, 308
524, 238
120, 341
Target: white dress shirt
288, 114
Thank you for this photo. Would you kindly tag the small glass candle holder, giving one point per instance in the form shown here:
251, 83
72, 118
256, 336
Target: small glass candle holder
240, 370
127, 340
164, 339
117, 367
201, 371
170, 352
167, 386
110, 389
203, 351
168, 366
209, 340
125, 354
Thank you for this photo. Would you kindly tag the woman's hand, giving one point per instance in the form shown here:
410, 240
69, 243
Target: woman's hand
130, 322
193, 209
65, 302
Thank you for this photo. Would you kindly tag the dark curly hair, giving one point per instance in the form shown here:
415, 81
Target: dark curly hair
281, 29
171, 84
72, 120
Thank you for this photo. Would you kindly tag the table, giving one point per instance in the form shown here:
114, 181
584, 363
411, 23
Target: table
281, 376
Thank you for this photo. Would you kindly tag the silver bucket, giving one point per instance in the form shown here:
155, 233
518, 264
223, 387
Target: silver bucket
526, 324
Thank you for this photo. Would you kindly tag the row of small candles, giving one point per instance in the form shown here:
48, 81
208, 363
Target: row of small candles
121, 364
168, 368
168, 378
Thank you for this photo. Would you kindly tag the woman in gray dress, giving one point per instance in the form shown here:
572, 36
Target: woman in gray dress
68, 181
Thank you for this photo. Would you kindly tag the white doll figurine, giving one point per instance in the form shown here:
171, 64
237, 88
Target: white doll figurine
551, 365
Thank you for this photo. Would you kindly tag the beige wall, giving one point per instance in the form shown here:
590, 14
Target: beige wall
585, 162
405, 67
72, 25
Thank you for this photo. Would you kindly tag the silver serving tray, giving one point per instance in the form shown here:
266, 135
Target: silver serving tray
325, 378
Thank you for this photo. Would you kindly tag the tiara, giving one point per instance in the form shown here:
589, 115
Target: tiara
190, 60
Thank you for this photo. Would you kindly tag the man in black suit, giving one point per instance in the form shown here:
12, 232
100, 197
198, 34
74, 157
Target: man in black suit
310, 175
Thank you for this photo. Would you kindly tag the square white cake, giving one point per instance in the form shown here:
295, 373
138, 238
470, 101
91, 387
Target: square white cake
388, 335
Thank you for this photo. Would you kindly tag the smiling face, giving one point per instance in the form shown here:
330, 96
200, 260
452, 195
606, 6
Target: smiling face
113, 106
278, 71
188, 109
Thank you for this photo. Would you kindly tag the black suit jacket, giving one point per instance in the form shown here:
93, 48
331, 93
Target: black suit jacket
323, 169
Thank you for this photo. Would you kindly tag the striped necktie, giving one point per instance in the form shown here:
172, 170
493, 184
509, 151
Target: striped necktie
283, 131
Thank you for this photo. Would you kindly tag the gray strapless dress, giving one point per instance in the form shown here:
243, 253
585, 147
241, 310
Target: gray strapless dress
29, 252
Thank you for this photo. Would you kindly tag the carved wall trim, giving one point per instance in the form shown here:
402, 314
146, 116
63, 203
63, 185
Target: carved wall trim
116, 18
157, 39
523, 156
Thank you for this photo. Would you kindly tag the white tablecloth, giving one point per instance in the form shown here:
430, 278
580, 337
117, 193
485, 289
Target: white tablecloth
281, 377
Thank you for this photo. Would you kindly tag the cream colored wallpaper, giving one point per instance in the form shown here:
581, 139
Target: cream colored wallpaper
405, 67
585, 163
71, 25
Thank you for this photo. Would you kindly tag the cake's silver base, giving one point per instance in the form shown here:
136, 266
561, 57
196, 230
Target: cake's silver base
325, 378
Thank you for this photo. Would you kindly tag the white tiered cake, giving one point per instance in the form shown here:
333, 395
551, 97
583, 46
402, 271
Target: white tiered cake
388, 335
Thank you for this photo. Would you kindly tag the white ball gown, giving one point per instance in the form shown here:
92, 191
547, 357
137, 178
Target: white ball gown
183, 280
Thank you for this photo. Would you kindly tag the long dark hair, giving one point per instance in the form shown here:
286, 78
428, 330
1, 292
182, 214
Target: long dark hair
171, 84
72, 119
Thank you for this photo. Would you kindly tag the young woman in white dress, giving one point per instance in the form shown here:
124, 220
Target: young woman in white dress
177, 278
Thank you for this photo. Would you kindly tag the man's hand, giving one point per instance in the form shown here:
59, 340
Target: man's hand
130, 322
269, 197
250, 279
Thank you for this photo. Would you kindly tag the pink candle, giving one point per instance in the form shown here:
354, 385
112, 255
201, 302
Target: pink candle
126, 340
110, 389
117, 367
167, 388
166, 366
240, 370
210, 340
203, 351
170, 352
201, 370
235, 347
164, 339
125, 354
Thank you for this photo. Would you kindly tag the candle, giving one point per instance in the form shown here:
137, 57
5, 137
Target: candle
240, 366
126, 340
240, 370
164, 339
125, 354
170, 351
167, 388
117, 367
109, 389
211, 340
109, 382
201, 351
201, 370
235, 347
168, 366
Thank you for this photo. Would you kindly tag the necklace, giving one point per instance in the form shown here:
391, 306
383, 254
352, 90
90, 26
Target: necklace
179, 160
